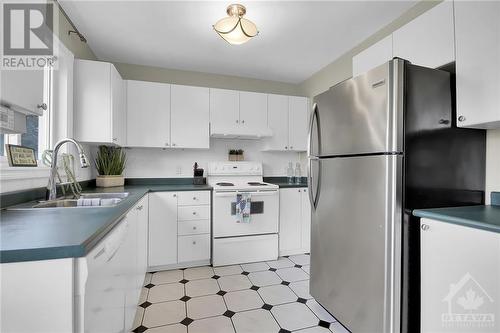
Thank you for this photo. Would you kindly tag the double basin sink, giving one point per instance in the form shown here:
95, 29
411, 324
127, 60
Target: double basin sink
86, 200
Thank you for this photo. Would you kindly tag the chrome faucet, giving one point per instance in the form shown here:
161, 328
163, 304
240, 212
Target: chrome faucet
51, 187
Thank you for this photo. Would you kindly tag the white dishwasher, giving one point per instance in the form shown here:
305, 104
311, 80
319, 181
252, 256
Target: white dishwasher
102, 282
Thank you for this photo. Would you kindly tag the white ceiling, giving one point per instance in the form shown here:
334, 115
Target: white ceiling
296, 39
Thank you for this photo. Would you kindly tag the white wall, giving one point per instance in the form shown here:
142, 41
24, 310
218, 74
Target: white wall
492, 162
159, 163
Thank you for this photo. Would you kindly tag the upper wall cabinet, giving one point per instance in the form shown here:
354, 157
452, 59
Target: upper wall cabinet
99, 103
238, 114
148, 114
428, 40
477, 27
288, 120
189, 116
22, 90
373, 56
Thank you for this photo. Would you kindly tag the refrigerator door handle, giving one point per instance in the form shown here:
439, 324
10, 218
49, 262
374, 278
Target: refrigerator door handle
314, 116
313, 197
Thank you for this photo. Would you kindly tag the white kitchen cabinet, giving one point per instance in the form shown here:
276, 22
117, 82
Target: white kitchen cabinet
162, 229
22, 90
148, 114
373, 56
99, 103
142, 209
298, 119
224, 110
460, 270
477, 39
428, 40
295, 221
189, 109
288, 121
253, 112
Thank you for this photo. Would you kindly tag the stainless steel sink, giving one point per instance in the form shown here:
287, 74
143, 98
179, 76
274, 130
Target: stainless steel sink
106, 200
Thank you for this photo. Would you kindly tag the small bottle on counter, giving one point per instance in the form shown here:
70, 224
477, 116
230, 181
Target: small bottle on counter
289, 173
298, 173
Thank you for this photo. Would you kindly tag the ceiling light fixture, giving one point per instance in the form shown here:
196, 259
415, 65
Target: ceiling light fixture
235, 29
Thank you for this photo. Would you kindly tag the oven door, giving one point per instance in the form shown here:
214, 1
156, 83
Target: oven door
264, 210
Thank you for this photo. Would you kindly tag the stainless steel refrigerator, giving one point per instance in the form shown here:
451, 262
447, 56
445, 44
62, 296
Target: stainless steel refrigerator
381, 144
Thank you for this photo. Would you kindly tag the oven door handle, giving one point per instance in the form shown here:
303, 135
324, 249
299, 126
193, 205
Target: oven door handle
257, 194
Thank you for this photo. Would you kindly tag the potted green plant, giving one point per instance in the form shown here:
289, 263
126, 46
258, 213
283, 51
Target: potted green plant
110, 163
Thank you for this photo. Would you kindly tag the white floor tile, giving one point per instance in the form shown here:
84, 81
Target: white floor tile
205, 306
161, 314
166, 292
277, 294
166, 277
338, 328
320, 312
255, 321
255, 267
264, 278
195, 273
316, 329
281, 263
228, 270
307, 269
202, 287
175, 328
294, 316
243, 300
219, 324
234, 282
301, 288
301, 259
292, 274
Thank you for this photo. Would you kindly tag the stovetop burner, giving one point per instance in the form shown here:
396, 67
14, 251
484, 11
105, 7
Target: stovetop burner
256, 184
225, 184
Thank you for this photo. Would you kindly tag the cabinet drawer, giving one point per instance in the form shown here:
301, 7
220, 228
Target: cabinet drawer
193, 213
193, 227
193, 248
193, 198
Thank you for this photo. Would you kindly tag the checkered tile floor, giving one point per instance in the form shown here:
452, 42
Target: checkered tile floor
260, 297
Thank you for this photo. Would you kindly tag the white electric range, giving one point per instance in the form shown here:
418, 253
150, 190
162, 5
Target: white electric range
233, 242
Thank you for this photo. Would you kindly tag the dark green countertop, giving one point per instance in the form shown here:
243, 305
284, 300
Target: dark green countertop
282, 182
479, 217
40, 234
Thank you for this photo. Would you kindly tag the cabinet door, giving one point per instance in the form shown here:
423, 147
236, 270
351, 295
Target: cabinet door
290, 221
278, 122
477, 38
253, 112
224, 111
118, 111
189, 109
92, 101
305, 215
142, 239
375, 55
30, 96
428, 40
148, 114
298, 123
162, 228
460, 270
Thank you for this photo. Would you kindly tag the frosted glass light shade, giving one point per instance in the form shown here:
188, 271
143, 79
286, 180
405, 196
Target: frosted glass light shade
235, 29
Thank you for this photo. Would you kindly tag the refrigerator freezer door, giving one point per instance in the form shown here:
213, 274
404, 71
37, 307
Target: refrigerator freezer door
361, 115
355, 246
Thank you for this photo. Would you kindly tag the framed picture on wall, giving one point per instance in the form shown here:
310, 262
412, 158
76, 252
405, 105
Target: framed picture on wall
21, 156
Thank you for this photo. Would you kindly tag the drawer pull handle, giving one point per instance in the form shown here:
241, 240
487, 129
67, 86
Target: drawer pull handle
194, 213
194, 242
194, 228
194, 198
425, 227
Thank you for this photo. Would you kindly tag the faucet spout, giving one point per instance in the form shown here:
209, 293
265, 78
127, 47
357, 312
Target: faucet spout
84, 163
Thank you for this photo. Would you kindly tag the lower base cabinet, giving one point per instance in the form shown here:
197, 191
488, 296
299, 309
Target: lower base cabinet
179, 229
460, 274
295, 221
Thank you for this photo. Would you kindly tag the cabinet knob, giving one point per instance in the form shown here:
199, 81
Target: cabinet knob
444, 121
194, 198
291, 147
461, 118
139, 207
194, 228
242, 121
425, 227
42, 106
167, 144
286, 147
194, 213
175, 195
237, 121
194, 242
173, 144
114, 139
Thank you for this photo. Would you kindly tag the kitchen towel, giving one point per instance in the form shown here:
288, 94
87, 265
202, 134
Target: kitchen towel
243, 204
